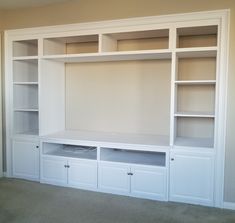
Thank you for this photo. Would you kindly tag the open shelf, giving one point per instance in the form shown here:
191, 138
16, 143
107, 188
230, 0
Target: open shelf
25, 70
199, 52
194, 142
26, 122
194, 131
201, 36
105, 137
66, 150
25, 96
111, 56
195, 114
25, 83
71, 45
190, 70
196, 98
196, 82
131, 156
135, 41
25, 48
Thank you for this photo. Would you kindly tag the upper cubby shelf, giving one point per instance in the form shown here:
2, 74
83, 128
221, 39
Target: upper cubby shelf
201, 36
135, 41
71, 45
135, 45
26, 49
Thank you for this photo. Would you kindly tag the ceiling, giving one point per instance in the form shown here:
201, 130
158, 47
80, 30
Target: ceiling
14, 4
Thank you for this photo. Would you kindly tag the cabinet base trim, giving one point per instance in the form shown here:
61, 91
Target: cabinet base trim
229, 205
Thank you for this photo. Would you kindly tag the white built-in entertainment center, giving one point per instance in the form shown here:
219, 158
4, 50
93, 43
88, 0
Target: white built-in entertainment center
133, 107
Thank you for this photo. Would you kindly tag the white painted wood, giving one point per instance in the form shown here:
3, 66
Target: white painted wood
197, 82
113, 178
26, 159
195, 114
221, 109
111, 56
82, 173
196, 52
229, 205
53, 170
112, 140
52, 99
192, 177
25, 83
108, 43
149, 182
193, 20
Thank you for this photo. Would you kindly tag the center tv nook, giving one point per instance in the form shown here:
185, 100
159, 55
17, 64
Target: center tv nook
126, 107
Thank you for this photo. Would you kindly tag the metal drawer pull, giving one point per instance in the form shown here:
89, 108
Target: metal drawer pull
130, 174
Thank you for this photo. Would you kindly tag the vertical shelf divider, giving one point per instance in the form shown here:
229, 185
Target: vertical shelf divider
172, 47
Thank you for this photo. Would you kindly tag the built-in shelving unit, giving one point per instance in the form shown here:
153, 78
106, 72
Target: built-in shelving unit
120, 106
195, 86
25, 87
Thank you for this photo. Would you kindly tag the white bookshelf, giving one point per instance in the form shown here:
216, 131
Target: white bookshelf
143, 93
25, 87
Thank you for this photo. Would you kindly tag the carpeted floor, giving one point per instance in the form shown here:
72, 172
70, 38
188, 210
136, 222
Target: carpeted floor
29, 202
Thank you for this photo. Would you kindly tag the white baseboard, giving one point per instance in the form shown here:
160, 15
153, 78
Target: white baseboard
229, 205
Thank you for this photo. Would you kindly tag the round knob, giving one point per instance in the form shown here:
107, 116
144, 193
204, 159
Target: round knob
172, 159
37, 147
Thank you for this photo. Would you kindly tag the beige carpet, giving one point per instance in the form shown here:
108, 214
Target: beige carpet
29, 202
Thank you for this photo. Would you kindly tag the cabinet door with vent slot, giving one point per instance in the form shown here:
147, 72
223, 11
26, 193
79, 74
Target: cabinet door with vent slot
26, 159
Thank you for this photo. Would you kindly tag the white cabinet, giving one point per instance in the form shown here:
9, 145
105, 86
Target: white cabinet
53, 170
149, 182
69, 172
114, 178
136, 180
82, 173
25, 159
191, 177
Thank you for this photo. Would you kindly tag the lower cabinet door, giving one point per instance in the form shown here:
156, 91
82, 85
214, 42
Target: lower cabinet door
191, 177
114, 178
54, 170
25, 159
82, 173
149, 182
